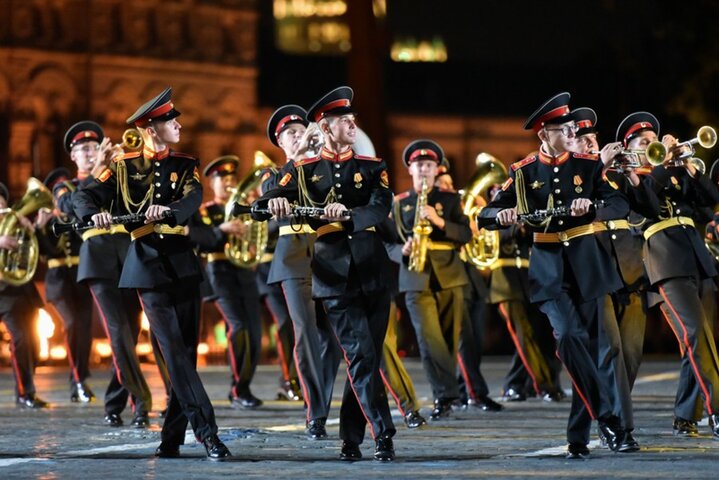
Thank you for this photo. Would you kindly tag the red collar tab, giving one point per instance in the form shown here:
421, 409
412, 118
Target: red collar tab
150, 155
557, 112
634, 128
161, 110
285, 120
423, 152
82, 136
550, 160
321, 112
336, 157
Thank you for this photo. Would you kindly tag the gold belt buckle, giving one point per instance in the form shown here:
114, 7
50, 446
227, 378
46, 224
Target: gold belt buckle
611, 225
680, 220
562, 236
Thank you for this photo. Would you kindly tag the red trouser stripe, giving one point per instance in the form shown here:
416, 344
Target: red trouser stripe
510, 326
463, 370
385, 380
579, 392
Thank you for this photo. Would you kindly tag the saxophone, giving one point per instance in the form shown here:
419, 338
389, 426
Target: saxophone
421, 229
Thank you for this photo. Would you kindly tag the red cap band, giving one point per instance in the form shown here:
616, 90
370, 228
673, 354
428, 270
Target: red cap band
285, 120
557, 112
161, 110
83, 135
423, 152
637, 126
343, 102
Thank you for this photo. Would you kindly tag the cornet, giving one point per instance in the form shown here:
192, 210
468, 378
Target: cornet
706, 138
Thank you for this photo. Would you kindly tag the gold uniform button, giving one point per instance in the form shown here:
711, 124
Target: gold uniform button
563, 237
614, 236
556, 169
611, 225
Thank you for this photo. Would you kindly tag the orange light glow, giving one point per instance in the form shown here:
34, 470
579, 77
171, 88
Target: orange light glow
45, 330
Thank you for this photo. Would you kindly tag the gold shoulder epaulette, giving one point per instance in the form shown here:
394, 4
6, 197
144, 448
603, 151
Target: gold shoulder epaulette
522, 163
365, 157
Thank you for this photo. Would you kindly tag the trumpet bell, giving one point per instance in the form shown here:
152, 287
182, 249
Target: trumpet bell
698, 164
656, 152
707, 137
131, 139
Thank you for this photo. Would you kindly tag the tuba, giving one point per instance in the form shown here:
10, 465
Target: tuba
483, 250
246, 251
422, 229
17, 267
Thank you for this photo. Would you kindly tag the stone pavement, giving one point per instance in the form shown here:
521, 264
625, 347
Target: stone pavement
526, 440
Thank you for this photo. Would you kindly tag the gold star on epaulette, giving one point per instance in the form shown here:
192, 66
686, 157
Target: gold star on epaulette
316, 178
536, 185
138, 176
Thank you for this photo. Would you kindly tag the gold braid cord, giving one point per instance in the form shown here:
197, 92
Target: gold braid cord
523, 207
125, 190
397, 214
304, 196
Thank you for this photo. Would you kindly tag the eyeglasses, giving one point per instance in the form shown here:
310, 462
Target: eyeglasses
566, 130
86, 148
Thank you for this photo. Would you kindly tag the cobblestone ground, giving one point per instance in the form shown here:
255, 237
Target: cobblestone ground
525, 440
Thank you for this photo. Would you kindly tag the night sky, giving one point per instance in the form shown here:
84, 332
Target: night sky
506, 57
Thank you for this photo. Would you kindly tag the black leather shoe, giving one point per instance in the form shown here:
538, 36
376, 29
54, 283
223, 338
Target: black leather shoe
513, 395
167, 451
247, 401
714, 426
81, 393
350, 452
553, 396
442, 409
113, 420
141, 420
629, 444
577, 451
685, 428
414, 419
486, 404
31, 401
216, 450
316, 429
289, 392
612, 431
384, 449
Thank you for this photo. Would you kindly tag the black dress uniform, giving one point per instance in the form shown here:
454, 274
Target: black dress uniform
234, 291
347, 256
316, 351
569, 273
534, 369
18, 306
102, 255
670, 233
163, 268
70, 298
434, 297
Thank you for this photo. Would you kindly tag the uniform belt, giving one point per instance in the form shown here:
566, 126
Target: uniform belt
215, 256
63, 262
565, 236
669, 222
611, 225
161, 228
293, 230
441, 246
93, 232
510, 262
335, 227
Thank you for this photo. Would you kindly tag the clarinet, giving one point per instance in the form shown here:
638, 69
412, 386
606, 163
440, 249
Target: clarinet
296, 211
60, 228
541, 215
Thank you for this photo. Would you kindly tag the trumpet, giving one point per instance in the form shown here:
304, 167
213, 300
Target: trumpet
706, 138
655, 154
131, 139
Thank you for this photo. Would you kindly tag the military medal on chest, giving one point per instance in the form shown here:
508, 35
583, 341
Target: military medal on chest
578, 182
439, 208
675, 182
358, 180
173, 179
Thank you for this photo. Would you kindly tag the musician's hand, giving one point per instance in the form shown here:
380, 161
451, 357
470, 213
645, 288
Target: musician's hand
407, 247
580, 206
334, 212
632, 177
671, 142
155, 213
279, 207
609, 153
43, 216
430, 213
102, 220
8, 242
508, 216
233, 227
311, 141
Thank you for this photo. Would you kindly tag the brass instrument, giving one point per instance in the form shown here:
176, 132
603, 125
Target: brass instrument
655, 153
131, 139
246, 251
483, 250
421, 229
17, 267
706, 138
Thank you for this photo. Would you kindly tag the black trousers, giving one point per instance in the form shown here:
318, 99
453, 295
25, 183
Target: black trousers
472, 384
174, 315
683, 309
576, 327
277, 305
19, 322
394, 375
534, 367
632, 320
437, 319
317, 354
241, 312
360, 323
120, 314
75, 309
